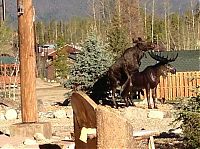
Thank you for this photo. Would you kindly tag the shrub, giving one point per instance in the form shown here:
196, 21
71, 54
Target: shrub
189, 115
90, 63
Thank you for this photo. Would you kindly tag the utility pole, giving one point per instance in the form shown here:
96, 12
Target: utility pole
30, 124
27, 61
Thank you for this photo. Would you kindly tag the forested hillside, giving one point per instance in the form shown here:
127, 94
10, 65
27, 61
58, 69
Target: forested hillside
66, 9
175, 23
52, 9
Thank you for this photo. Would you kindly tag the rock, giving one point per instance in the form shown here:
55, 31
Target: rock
168, 114
40, 105
176, 131
2, 117
49, 114
55, 138
7, 146
19, 114
155, 114
60, 114
71, 146
39, 137
29, 142
69, 112
11, 114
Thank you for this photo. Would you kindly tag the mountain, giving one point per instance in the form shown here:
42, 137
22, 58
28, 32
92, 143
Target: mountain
66, 9
51, 9
174, 5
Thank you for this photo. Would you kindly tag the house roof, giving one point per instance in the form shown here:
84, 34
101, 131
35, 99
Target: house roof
8, 60
50, 46
187, 60
71, 48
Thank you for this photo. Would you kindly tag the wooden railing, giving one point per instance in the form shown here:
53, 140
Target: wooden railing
182, 84
9, 80
9, 75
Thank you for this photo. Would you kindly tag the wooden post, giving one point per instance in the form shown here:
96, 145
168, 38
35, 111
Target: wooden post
3, 10
30, 124
27, 61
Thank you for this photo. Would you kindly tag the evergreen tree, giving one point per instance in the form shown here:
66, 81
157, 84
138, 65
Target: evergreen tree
61, 63
6, 38
117, 37
188, 114
40, 32
91, 62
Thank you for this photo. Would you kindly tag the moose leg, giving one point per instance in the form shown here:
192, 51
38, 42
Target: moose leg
114, 88
154, 97
148, 97
113, 97
131, 97
126, 89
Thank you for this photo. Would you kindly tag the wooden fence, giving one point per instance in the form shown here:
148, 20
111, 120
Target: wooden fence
9, 75
182, 84
9, 80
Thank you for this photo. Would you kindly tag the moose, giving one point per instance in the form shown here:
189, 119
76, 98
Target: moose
149, 78
120, 72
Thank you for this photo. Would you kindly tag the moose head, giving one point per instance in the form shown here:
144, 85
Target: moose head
164, 62
147, 46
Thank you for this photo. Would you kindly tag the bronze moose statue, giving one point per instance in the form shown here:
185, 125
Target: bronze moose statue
149, 78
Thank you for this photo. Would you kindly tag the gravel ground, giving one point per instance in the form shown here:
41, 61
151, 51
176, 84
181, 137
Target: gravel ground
50, 93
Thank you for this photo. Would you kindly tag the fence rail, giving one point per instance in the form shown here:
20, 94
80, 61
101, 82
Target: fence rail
180, 85
9, 80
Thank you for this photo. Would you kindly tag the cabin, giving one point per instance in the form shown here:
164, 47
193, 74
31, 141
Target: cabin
47, 53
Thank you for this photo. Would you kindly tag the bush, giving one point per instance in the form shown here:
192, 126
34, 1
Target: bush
90, 63
189, 115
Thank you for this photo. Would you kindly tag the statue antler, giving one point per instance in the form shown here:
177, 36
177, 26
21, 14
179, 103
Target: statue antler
161, 58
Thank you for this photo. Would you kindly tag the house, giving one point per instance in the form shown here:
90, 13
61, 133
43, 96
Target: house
47, 53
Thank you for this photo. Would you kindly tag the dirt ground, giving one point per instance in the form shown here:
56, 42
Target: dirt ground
50, 94
53, 92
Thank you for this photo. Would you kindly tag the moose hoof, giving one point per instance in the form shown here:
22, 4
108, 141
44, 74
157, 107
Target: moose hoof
115, 106
155, 107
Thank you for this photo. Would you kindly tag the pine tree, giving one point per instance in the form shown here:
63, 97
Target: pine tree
6, 37
188, 114
117, 37
91, 62
61, 63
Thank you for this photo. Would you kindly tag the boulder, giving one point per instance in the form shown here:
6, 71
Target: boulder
155, 114
69, 112
29, 142
8, 146
60, 114
39, 137
11, 114
2, 117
